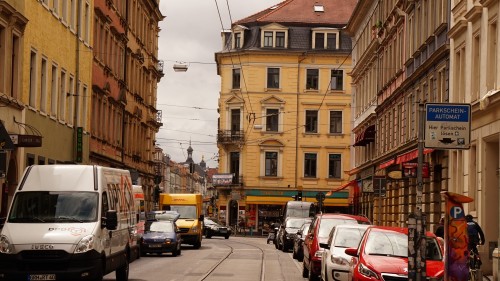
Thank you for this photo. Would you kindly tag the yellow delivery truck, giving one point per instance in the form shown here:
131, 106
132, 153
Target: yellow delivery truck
190, 222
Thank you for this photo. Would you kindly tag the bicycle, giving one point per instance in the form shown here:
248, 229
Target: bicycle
474, 264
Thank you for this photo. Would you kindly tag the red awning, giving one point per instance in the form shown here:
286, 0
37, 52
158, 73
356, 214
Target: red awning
344, 186
387, 163
411, 155
365, 137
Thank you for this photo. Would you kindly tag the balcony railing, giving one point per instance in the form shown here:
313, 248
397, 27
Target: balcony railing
230, 137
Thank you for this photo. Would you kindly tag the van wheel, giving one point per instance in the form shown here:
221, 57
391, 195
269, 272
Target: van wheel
122, 272
197, 245
174, 253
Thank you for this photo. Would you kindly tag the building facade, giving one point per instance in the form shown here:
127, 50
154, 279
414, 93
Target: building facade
474, 58
125, 74
284, 110
47, 85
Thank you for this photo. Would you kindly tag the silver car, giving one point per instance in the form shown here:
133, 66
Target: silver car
335, 262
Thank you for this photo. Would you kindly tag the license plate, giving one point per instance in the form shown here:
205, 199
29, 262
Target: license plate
42, 277
223, 231
155, 246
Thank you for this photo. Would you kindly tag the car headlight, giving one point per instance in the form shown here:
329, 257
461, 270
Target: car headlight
364, 270
194, 229
339, 260
5, 245
168, 241
85, 245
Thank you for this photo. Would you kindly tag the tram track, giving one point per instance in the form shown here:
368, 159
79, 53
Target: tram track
232, 252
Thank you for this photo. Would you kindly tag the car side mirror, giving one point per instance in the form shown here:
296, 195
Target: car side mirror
324, 245
110, 221
353, 252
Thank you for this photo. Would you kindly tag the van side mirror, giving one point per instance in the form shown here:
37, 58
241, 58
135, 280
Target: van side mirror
201, 218
110, 221
353, 252
324, 245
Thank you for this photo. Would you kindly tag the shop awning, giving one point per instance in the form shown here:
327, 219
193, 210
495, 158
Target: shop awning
365, 137
411, 155
344, 186
387, 163
276, 200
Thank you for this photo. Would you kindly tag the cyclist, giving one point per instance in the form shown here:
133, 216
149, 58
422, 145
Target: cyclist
476, 235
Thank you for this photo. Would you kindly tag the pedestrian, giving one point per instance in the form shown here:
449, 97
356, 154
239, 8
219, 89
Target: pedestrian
440, 229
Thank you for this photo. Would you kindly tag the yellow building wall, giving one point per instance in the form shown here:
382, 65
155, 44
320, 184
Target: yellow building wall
254, 92
52, 38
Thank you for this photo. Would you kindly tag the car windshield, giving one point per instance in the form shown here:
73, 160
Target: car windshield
160, 227
186, 212
327, 224
52, 206
348, 237
387, 243
295, 223
305, 227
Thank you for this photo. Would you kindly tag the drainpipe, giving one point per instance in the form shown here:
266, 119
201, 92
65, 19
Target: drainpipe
297, 123
76, 96
125, 55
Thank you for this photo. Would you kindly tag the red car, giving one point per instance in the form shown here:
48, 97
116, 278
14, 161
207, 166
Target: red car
383, 255
319, 231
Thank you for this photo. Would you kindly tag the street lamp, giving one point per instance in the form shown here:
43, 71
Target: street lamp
180, 67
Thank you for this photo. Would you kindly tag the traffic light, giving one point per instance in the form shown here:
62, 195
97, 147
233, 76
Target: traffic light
299, 196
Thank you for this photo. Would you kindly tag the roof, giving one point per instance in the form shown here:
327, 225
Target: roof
303, 11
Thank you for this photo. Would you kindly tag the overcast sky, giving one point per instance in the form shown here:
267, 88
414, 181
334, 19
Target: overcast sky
190, 34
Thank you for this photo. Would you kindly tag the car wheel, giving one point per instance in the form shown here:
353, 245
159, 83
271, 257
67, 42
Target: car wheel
227, 237
284, 248
305, 271
122, 272
179, 251
197, 245
294, 255
208, 236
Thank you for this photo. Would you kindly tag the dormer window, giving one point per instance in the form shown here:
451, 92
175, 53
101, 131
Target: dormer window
274, 36
237, 40
327, 39
238, 36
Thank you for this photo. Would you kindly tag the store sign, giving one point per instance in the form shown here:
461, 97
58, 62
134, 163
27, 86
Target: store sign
410, 170
222, 179
26, 140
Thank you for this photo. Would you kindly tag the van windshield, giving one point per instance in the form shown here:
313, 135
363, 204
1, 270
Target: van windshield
52, 206
185, 212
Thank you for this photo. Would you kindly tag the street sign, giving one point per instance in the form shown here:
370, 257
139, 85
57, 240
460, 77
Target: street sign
447, 126
320, 196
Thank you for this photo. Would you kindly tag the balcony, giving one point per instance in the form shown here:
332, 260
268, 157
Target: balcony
230, 137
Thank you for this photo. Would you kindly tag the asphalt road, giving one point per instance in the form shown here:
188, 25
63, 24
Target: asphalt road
218, 259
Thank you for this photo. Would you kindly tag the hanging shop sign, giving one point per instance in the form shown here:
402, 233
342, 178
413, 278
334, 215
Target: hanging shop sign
222, 179
26, 140
410, 170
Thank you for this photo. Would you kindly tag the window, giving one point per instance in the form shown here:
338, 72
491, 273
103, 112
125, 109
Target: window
326, 39
235, 120
312, 79
236, 78
72, 12
335, 122
62, 96
280, 39
334, 166
237, 40
271, 164
268, 39
273, 78
70, 100
43, 86
53, 91
234, 165
32, 96
310, 165
311, 121
337, 79
272, 119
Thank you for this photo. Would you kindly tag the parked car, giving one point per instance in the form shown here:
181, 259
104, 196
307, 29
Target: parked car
161, 236
298, 242
335, 262
319, 231
288, 230
211, 227
383, 254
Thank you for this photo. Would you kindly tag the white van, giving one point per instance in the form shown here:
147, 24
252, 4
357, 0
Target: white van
70, 222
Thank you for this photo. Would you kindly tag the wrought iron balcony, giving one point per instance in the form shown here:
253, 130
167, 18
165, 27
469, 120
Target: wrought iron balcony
226, 137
